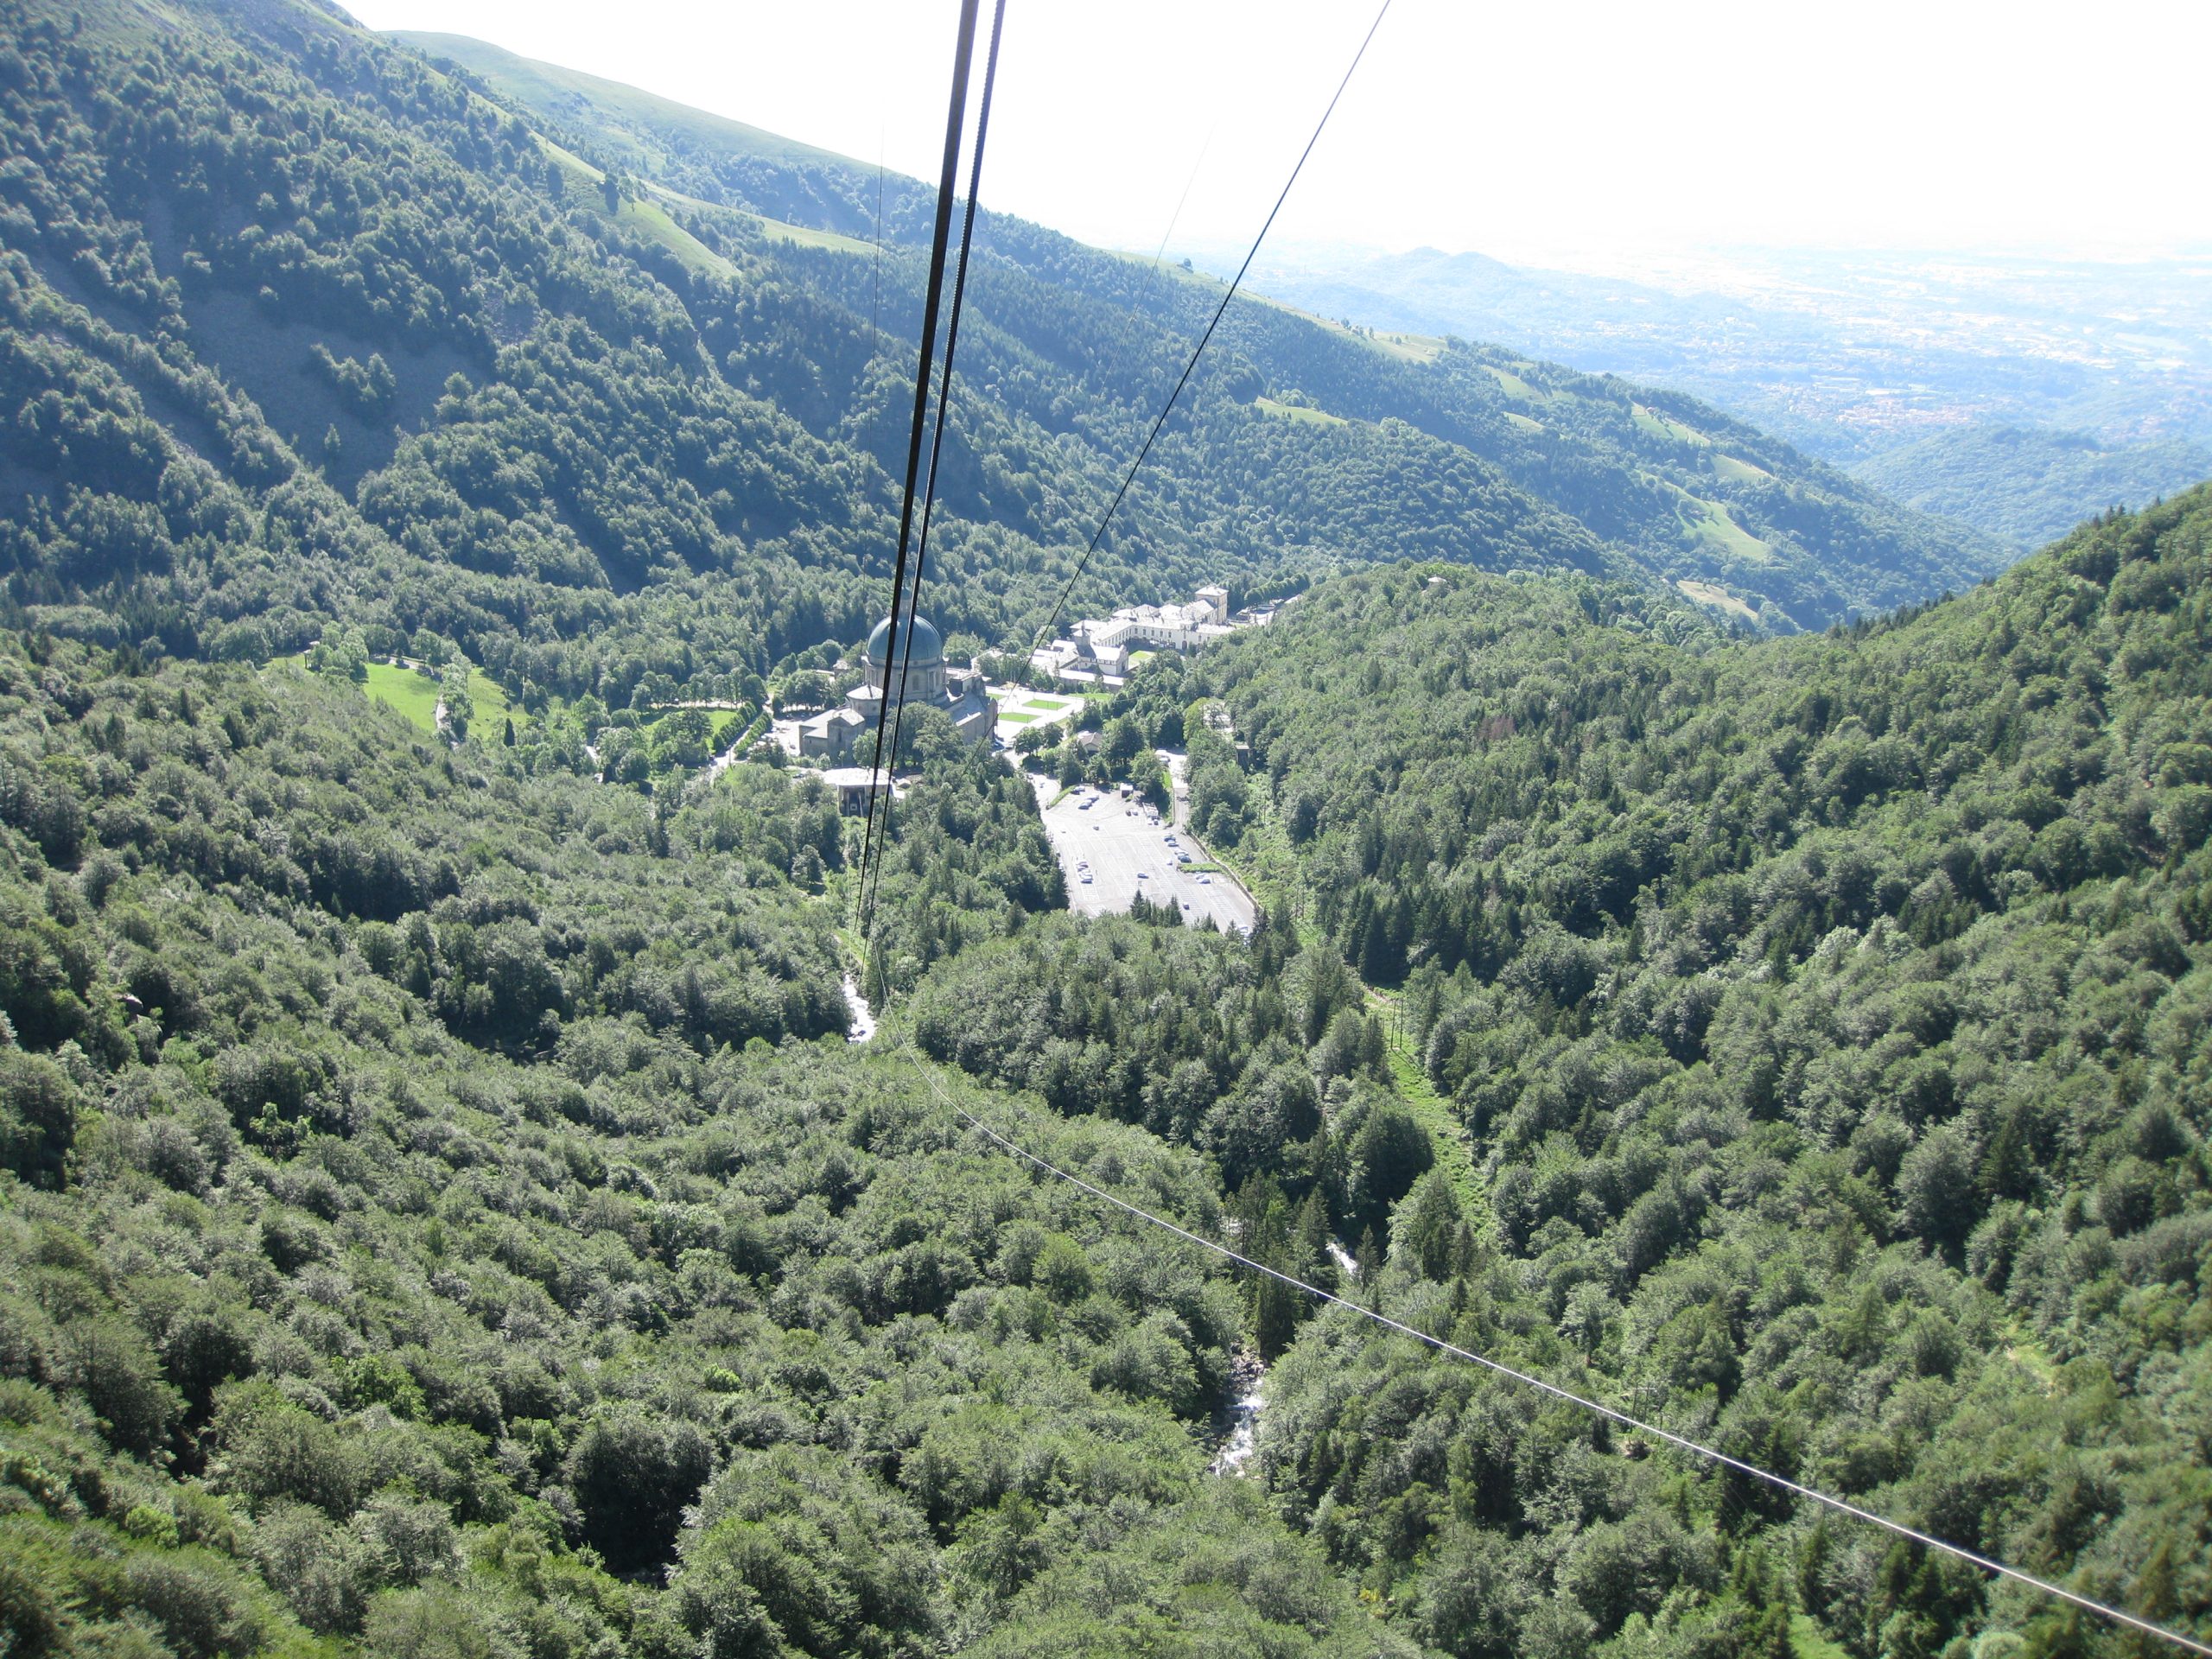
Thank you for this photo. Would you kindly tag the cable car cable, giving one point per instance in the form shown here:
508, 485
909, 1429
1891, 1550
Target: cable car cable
871, 835
941, 235
1198, 351
943, 392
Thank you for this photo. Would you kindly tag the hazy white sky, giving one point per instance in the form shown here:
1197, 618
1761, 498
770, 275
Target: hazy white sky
1548, 132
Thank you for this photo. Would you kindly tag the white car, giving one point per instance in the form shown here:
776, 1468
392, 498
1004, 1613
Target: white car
1086, 878
1142, 876
1203, 880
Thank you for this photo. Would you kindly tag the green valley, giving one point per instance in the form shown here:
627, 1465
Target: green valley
482, 1175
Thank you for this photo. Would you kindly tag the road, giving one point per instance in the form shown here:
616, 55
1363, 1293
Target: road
1126, 850
1178, 784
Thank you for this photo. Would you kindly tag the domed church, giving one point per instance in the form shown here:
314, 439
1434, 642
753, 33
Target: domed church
929, 684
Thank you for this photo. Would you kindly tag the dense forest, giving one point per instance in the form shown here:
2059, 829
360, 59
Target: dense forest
1828, 1020
443, 1215
2024, 484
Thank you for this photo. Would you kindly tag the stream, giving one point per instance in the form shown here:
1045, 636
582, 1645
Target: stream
863, 1017
1248, 1376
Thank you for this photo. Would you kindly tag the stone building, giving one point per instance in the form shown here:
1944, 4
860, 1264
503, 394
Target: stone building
1104, 645
960, 693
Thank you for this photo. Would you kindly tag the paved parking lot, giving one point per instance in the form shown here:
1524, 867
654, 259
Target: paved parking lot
1125, 849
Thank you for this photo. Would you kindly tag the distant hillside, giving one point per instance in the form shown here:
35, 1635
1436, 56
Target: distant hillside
305, 329
2028, 487
1592, 447
1880, 364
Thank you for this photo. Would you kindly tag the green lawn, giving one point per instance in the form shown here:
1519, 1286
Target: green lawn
1524, 421
1048, 705
1707, 523
1732, 471
1016, 717
1659, 426
406, 691
1514, 386
1298, 412
1447, 1133
1711, 525
417, 697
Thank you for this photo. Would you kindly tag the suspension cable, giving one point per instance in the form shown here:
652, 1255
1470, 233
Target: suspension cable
866, 883
948, 176
943, 401
1053, 626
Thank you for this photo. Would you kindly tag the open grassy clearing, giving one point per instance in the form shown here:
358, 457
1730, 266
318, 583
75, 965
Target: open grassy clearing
1711, 525
411, 693
1514, 386
1708, 593
1447, 1135
1706, 524
1016, 717
416, 695
1414, 348
1298, 412
580, 187
1729, 470
1659, 426
1524, 422
803, 236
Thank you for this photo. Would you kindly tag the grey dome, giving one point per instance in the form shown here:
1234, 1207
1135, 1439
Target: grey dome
922, 646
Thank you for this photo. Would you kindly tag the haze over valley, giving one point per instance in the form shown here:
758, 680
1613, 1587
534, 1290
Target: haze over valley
2018, 394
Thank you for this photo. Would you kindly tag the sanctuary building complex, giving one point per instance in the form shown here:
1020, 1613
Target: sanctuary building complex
929, 684
1104, 646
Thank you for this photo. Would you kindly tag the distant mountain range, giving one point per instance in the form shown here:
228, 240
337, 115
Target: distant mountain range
2017, 395
1603, 453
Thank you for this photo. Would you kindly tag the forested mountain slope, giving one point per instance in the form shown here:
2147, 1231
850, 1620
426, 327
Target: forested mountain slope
1982, 474
428, 1227
1685, 488
294, 326
440, 1214
1830, 1019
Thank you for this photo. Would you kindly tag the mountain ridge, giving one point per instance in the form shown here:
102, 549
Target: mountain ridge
548, 89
